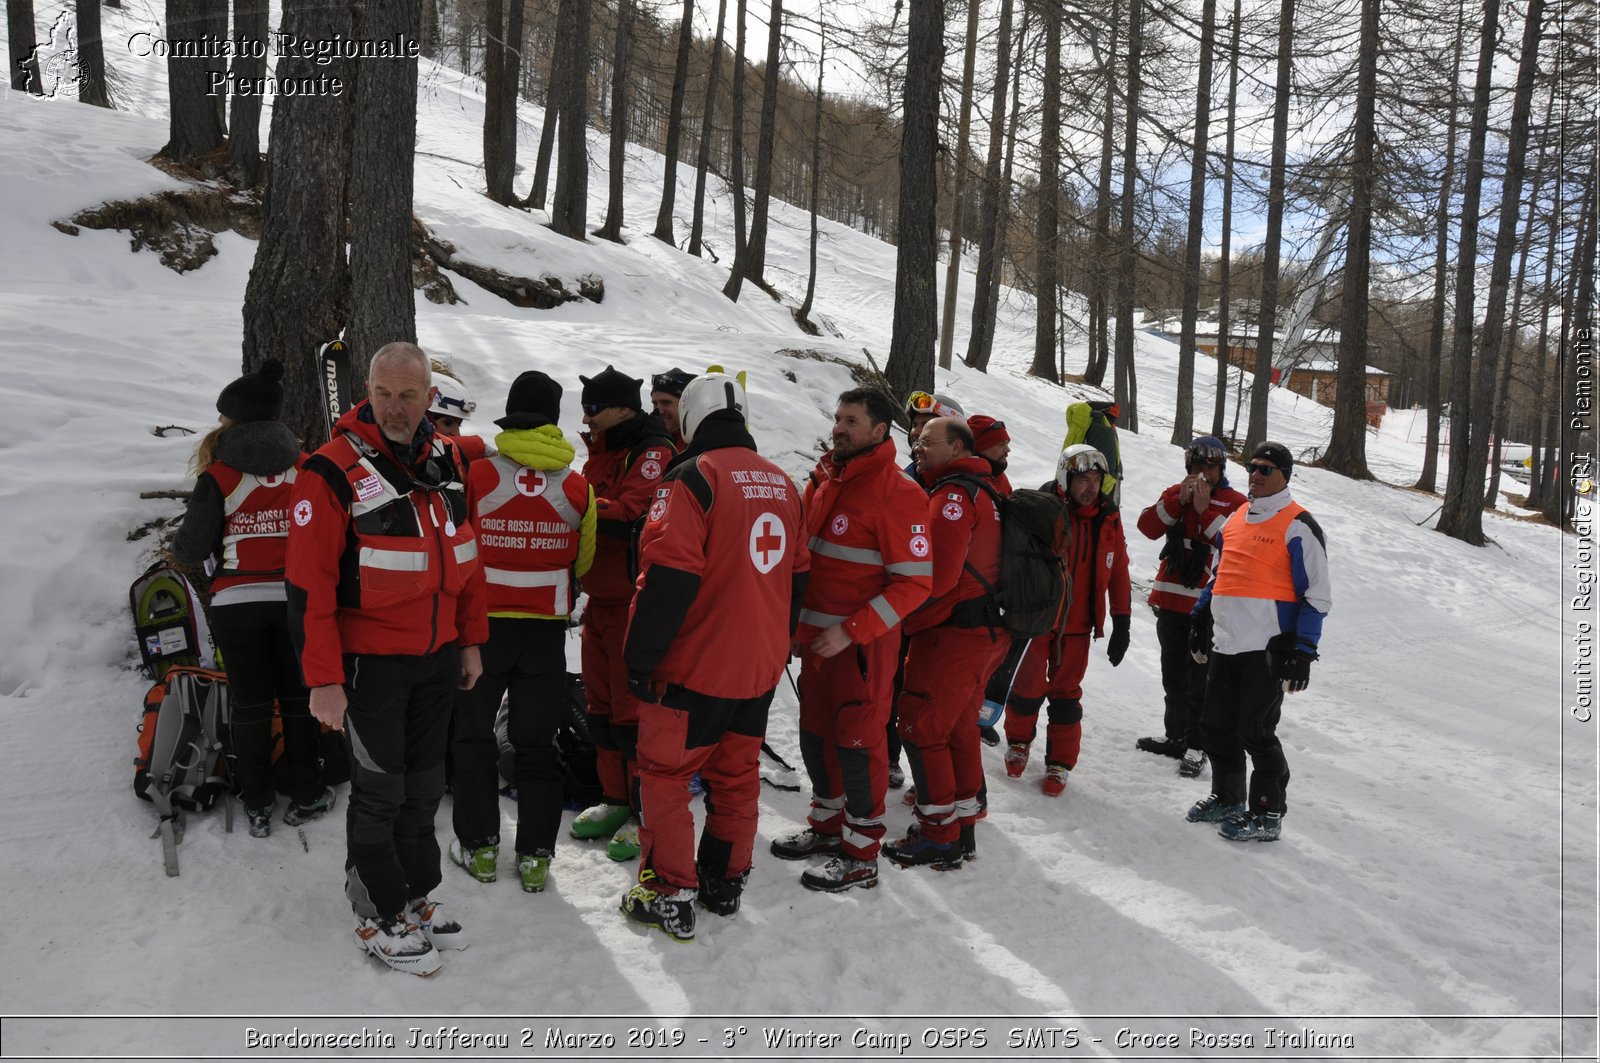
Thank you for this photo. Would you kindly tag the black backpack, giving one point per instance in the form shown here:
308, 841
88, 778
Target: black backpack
1035, 541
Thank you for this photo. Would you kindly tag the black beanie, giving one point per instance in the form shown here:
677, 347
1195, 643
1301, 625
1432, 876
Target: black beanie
612, 388
1275, 454
255, 396
534, 400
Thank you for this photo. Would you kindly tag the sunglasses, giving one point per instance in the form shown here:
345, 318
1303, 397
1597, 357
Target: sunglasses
1258, 469
592, 408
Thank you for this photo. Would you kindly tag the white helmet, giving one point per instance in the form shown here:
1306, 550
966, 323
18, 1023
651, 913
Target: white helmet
453, 399
1080, 457
707, 394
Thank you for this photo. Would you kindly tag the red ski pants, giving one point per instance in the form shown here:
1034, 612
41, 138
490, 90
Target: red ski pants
1060, 681
613, 711
844, 715
720, 739
946, 671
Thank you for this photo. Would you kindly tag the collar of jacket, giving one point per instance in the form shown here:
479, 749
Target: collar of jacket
720, 431
543, 448
865, 463
260, 448
361, 420
974, 464
1262, 508
627, 434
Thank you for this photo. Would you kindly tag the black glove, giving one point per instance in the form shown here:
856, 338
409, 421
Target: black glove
1200, 636
1192, 570
1174, 545
1290, 664
639, 687
1118, 646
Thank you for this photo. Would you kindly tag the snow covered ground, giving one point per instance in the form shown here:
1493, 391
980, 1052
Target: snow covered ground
1433, 896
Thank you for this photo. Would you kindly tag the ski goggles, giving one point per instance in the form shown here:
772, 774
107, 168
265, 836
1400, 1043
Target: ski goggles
920, 402
1205, 454
447, 403
672, 381
1084, 463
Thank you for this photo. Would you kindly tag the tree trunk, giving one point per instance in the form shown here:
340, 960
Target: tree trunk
91, 56
620, 72
736, 160
1256, 433
383, 307
916, 304
195, 123
510, 93
1431, 392
1127, 260
991, 313
497, 167
1099, 295
22, 47
1568, 463
569, 207
804, 313
1347, 444
703, 156
428, 33
250, 28
755, 264
952, 277
680, 83
1462, 515
1537, 487
298, 293
1502, 391
995, 203
1225, 267
1183, 415
1047, 269
547, 133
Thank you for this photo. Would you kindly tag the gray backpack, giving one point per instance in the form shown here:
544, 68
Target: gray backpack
183, 745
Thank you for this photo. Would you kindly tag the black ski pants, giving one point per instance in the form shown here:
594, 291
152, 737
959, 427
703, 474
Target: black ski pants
394, 730
1182, 679
527, 659
1242, 707
262, 669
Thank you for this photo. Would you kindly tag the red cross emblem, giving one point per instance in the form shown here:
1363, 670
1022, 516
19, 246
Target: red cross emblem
530, 482
767, 541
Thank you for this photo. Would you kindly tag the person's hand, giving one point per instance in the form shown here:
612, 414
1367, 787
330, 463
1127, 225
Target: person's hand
1290, 664
1117, 646
1202, 493
471, 666
328, 705
1186, 491
1200, 636
831, 641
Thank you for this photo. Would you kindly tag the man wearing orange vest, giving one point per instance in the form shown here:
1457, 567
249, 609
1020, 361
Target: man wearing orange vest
536, 520
1257, 626
722, 562
871, 565
386, 601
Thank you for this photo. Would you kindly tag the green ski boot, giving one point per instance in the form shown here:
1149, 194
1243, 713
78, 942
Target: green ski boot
477, 861
599, 821
535, 871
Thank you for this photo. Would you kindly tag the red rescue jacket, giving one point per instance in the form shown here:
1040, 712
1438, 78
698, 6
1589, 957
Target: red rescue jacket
1199, 531
965, 525
1099, 566
382, 559
255, 533
625, 466
529, 532
871, 554
719, 557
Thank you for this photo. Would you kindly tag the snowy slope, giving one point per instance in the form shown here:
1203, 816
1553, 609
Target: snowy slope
1434, 791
